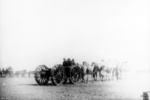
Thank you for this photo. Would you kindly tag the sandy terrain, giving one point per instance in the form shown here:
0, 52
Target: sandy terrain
28, 89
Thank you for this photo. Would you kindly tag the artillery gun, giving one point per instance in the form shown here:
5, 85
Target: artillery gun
58, 74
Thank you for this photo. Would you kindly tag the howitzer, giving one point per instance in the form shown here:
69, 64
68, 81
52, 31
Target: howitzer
57, 74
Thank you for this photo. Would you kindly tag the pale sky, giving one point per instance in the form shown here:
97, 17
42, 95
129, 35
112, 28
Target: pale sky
34, 32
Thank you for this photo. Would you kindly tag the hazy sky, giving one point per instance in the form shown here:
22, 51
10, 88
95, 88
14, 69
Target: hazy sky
34, 32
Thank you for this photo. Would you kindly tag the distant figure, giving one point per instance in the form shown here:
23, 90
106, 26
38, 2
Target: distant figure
69, 62
116, 72
64, 62
73, 62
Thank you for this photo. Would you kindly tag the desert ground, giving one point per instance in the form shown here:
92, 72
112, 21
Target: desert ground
27, 89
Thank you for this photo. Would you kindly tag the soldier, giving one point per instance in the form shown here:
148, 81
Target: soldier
69, 62
64, 62
67, 65
73, 62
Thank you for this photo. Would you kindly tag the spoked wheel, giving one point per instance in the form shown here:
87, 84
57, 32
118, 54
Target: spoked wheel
75, 75
41, 75
57, 75
3, 75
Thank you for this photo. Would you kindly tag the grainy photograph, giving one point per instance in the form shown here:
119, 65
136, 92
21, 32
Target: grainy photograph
74, 50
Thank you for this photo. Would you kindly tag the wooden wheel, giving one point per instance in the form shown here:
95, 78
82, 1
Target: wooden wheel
3, 75
75, 75
57, 75
41, 75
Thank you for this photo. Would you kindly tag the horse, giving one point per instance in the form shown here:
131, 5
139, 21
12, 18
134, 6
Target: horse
86, 71
101, 75
117, 73
81, 72
107, 72
95, 70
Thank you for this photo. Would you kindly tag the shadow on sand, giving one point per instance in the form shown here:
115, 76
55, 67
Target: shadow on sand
65, 84
49, 84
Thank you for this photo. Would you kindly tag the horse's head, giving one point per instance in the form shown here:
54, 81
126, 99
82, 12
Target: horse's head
92, 63
64, 59
84, 62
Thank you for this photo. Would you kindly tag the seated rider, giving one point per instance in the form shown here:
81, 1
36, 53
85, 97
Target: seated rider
69, 62
67, 65
73, 62
64, 62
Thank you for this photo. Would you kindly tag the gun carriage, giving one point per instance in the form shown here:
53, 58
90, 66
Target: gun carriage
58, 74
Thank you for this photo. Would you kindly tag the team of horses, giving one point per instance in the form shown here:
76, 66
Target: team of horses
96, 71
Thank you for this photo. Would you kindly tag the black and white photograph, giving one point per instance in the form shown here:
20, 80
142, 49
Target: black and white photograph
74, 49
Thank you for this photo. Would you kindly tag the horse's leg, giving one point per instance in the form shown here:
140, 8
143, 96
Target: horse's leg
110, 76
103, 77
106, 76
87, 78
117, 76
121, 76
100, 75
96, 76
84, 78
92, 77
113, 75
